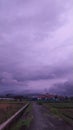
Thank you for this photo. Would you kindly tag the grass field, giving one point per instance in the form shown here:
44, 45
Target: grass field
25, 121
64, 110
8, 108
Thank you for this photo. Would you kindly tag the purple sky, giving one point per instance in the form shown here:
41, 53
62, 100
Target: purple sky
36, 45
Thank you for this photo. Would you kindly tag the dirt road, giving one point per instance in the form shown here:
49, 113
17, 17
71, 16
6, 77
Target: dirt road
45, 121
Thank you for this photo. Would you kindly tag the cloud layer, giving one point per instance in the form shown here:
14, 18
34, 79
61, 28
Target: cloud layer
35, 44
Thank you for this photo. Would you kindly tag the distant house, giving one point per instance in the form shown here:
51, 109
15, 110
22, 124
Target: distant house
50, 97
45, 97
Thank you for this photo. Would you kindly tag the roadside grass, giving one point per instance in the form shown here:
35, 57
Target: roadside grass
22, 123
25, 121
40, 102
55, 111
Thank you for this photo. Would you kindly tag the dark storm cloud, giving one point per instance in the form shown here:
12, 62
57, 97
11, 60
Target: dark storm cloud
35, 43
45, 73
65, 88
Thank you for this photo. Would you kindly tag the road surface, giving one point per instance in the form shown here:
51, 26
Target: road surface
43, 120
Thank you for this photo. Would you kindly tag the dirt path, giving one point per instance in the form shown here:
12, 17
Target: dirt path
44, 121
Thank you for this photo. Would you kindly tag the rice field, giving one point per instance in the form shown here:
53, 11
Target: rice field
8, 108
61, 109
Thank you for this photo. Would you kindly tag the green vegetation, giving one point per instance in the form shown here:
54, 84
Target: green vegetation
40, 102
62, 105
12, 101
55, 111
61, 109
22, 123
25, 120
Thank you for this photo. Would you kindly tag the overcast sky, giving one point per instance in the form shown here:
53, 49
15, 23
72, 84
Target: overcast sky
36, 45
